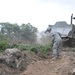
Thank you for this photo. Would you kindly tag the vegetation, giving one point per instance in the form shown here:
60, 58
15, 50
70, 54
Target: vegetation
22, 37
42, 50
3, 45
15, 32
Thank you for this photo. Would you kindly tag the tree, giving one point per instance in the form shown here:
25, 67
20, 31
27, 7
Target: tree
15, 33
10, 31
28, 32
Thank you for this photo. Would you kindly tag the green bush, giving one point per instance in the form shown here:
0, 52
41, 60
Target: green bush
12, 46
44, 49
34, 49
23, 47
40, 49
3, 45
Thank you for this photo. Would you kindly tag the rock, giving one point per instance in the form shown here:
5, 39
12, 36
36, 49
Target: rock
73, 71
13, 58
11, 51
2, 59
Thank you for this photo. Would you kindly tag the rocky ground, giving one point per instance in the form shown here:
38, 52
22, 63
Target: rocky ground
44, 66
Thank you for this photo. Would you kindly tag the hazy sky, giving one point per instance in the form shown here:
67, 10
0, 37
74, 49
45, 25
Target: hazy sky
40, 13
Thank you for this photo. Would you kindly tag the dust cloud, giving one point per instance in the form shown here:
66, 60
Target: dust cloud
43, 39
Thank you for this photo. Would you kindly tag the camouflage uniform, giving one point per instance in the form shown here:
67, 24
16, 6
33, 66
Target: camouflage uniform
56, 42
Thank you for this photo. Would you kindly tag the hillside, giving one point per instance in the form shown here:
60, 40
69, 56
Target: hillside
44, 66
62, 66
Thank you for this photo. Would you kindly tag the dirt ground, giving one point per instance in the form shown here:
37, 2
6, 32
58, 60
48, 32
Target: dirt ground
44, 66
62, 66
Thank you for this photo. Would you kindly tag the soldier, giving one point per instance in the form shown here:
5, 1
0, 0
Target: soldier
56, 42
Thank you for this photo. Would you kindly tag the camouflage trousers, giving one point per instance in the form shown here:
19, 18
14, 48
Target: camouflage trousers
57, 48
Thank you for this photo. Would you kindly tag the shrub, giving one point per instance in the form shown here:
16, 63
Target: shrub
43, 49
34, 49
13, 46
3, 45
23, 47
40, 49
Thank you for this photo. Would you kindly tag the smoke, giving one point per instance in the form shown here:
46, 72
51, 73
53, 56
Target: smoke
43, 39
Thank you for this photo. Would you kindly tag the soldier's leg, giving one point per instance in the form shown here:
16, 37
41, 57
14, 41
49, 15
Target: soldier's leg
54, 49
59, 48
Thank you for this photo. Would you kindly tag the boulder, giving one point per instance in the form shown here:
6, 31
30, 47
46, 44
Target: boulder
13, 58
73, 71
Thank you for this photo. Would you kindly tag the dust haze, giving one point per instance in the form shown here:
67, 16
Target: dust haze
43, 39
